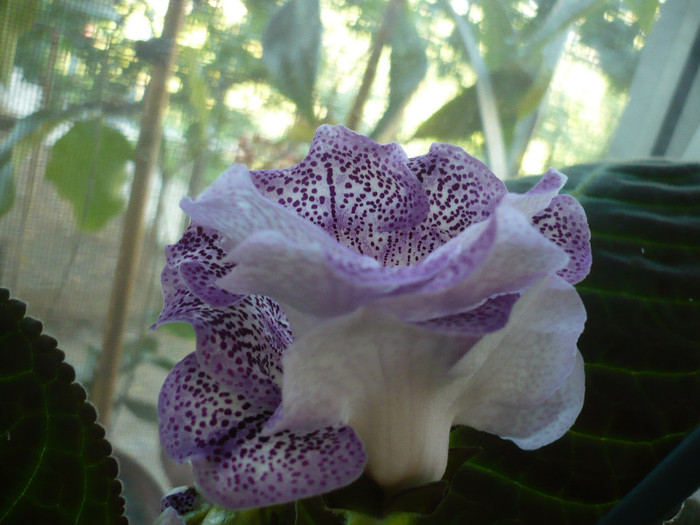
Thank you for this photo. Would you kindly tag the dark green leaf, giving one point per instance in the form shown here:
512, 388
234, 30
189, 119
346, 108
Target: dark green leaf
408, 66
88, 167
313, 511
144, 411
661, 494
291, 46
366, 496
56, 464
642, 356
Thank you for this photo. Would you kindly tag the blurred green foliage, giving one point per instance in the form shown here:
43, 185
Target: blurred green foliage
251, 85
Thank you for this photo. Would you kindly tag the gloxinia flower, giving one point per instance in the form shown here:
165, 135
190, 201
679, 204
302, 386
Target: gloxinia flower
352, 308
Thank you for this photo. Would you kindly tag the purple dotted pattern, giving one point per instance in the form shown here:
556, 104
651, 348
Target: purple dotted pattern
375, 200
235, 464
182, 501
350, 186
489, 317
461, 191
564, 223
197, 255
240, 345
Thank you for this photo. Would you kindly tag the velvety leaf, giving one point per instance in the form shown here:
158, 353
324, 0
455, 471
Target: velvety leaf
88, 167
56, 464
291, 44
363, 495
642, 356
408, 66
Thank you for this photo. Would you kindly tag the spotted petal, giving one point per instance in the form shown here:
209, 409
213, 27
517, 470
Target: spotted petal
564, 223
350, 186
323, 281
235, 465
198, 256
240, 344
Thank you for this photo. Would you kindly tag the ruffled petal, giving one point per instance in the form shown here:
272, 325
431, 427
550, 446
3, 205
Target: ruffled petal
240, 345
384, 378
523, 364
564, 223
535, 427
539, 196
198, 256
488, 317
235, 465
234, 207
504, 254
350, 186
461, 191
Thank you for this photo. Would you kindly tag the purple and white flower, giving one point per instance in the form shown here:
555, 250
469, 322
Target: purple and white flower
352, 308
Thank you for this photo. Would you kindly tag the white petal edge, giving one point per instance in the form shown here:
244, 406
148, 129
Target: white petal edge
522, 365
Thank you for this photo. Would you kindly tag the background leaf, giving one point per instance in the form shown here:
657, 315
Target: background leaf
26, 132
408, 66
7, 189
16, 17
645, 11
459, 118
141, 409
56, 464
88, 167
291, 44
312, 511
642, 355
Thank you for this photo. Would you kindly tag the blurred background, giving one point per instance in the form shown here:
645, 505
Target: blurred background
94, 156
